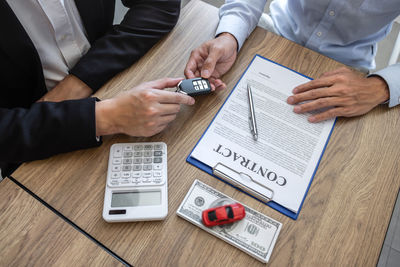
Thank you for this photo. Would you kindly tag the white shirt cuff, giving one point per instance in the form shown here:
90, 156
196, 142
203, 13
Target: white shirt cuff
391, 75
234, 25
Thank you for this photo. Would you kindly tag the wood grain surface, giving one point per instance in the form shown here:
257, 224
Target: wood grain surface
345, 214
32, 235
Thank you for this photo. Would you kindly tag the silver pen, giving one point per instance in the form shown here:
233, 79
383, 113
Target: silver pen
253, 124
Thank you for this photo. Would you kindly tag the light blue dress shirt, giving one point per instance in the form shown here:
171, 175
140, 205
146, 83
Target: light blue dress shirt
345, 30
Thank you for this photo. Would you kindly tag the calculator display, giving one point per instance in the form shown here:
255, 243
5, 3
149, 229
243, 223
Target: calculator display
133, 199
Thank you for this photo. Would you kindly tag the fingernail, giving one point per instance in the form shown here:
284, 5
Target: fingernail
297, 109
294, 90
205, 73
290, 100
312, 119
191, 101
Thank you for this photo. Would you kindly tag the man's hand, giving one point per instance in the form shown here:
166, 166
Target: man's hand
342, 91
69, 88
213, 59
144, 110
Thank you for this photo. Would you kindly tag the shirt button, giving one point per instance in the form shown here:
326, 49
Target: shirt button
332, 13
319, 34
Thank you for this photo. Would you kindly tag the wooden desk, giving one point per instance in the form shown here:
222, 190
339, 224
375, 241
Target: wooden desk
32, 235
346, 212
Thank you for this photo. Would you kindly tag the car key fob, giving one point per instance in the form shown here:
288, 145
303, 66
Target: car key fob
193, 87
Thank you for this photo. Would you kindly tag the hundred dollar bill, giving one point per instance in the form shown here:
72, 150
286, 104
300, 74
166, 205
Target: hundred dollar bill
256, 234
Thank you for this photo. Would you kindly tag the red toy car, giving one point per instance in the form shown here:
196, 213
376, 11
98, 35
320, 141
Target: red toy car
224, 214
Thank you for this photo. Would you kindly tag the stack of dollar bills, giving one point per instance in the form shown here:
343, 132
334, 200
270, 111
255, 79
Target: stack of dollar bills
256, 234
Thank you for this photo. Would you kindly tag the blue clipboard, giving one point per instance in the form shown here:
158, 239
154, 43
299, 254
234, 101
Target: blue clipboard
271, 203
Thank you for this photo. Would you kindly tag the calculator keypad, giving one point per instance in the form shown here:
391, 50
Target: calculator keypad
137, 165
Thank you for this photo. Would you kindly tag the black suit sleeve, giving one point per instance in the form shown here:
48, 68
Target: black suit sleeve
47, 128
146, 22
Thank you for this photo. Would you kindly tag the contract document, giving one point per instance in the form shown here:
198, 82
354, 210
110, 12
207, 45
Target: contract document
281, 164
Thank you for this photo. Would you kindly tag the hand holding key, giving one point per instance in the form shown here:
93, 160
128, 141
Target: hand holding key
213, 59
144, 110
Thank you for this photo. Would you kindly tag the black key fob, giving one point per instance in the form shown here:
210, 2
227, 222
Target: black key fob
193, 87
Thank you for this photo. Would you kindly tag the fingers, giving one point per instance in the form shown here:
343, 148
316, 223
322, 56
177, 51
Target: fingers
165, 97
196, 61
314, 84
161, 124
318, 99
164, 120
169, 109
329, 114
216, 84
311, 95
192, 66
210, 62
318, 104
327, 79
337, 93
219, 85
164, 83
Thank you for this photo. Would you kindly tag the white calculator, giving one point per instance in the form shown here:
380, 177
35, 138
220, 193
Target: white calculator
137, 187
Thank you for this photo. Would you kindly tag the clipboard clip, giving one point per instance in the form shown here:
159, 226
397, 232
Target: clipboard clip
226, 173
